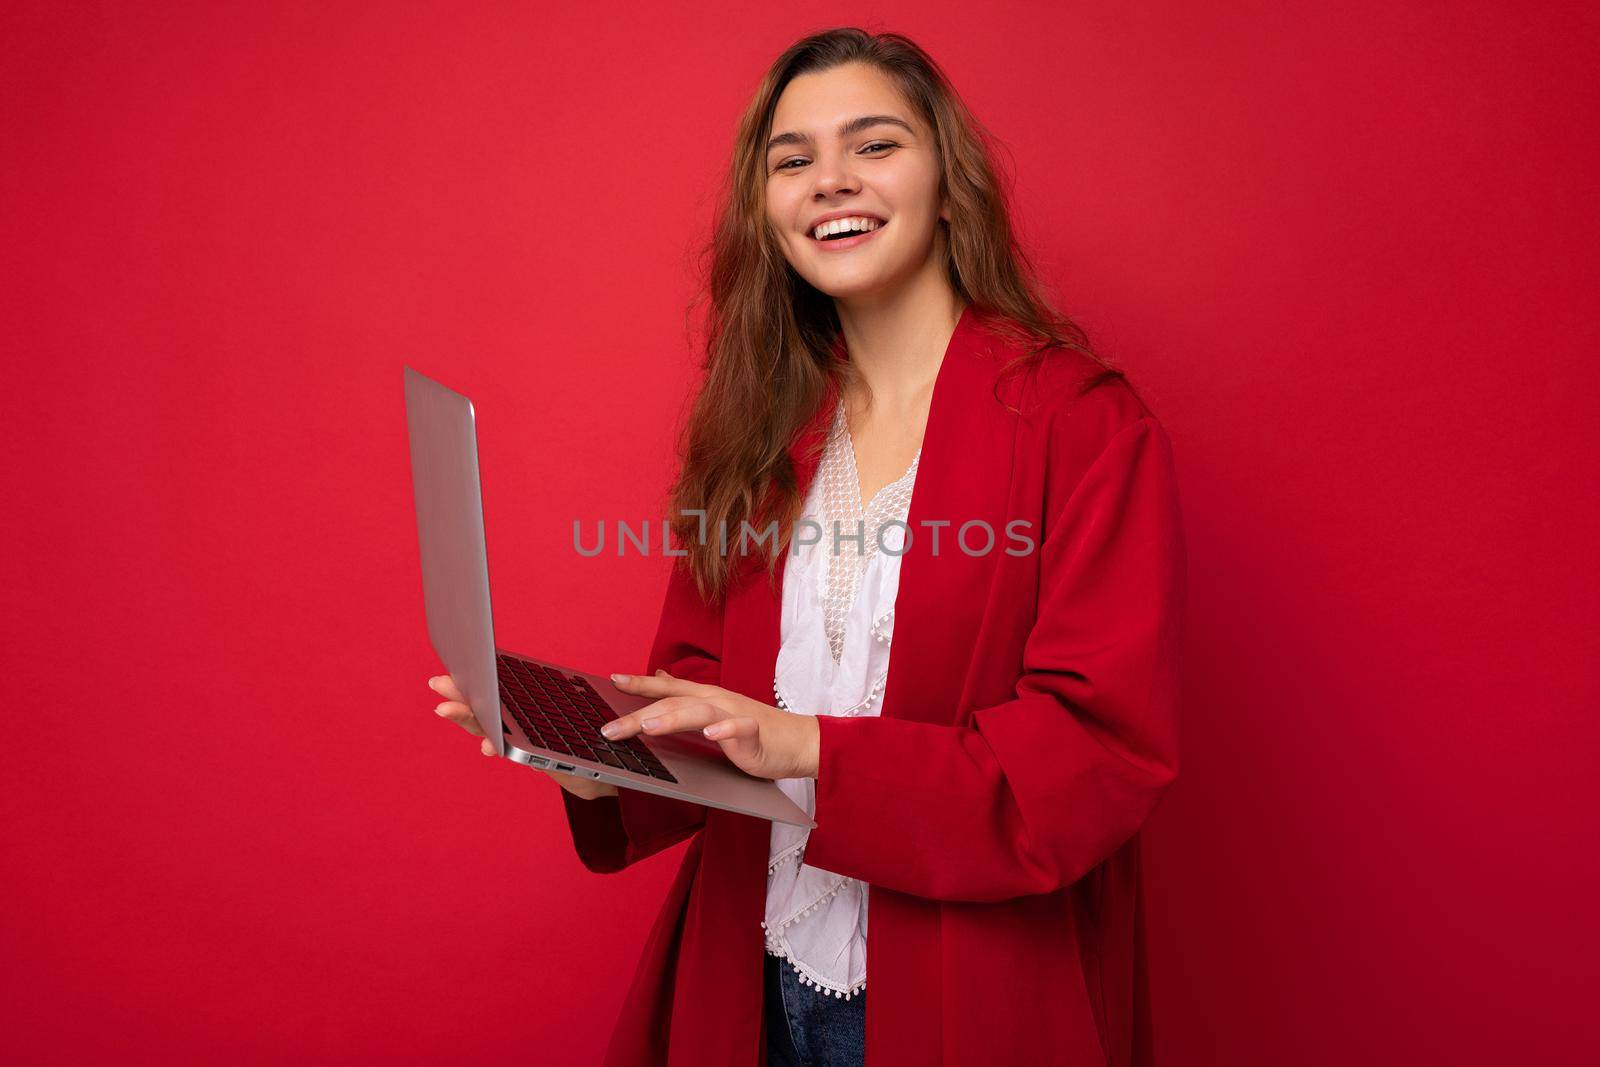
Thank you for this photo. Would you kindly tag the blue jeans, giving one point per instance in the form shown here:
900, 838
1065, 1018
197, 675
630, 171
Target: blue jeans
809, 1028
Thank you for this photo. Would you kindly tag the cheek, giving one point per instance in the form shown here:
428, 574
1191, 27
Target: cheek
783, 227
780, 210
781, 220
914, 191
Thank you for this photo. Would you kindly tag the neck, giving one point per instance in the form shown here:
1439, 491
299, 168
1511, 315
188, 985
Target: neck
897, 345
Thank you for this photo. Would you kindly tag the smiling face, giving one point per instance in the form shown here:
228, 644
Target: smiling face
846, 143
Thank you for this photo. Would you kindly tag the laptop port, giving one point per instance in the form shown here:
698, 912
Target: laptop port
569, 768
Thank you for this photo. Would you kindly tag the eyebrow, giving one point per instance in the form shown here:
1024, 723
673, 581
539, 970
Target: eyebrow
855, 125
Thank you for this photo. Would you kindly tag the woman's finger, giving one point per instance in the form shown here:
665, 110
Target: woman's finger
743, 728
628, 725
683, 714
740, 739
461, 715
446, 687
660, 684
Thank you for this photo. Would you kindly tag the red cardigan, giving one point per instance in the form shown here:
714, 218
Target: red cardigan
1029, 725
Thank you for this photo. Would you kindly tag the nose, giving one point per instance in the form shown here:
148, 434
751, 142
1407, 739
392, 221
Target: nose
832, 188
834, 178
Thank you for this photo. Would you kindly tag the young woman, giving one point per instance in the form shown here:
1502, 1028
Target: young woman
951, 473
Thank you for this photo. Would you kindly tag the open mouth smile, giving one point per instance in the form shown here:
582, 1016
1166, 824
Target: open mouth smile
837, 238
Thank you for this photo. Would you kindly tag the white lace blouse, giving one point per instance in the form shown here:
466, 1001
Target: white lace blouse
837, 624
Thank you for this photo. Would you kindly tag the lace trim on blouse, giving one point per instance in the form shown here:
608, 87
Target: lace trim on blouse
844, 519
837, 497
852, 684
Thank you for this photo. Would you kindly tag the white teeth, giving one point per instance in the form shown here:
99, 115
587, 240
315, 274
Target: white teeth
855, 222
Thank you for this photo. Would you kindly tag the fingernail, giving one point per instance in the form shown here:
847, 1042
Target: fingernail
716, 729
609, 729
620, 679
439, 710
649, 723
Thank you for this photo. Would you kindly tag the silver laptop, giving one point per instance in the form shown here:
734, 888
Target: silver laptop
536, 712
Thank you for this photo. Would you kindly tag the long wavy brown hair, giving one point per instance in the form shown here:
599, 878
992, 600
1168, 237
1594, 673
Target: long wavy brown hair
770, 334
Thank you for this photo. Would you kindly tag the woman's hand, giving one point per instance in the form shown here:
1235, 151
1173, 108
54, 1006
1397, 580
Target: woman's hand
760, 739
456, 710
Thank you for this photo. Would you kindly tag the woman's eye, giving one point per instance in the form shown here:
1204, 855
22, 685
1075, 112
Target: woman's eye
865, 148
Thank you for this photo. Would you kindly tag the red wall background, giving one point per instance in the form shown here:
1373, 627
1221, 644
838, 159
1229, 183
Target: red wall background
1347, 251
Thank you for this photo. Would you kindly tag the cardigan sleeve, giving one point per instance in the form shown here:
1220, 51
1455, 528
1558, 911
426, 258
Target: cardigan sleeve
1042, 788
613, 833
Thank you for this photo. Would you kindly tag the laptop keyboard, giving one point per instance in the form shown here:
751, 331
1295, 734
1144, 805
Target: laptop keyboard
564, 713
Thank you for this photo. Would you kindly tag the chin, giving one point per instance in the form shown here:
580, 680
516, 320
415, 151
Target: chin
848, 290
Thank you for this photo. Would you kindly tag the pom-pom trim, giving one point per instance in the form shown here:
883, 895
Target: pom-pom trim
822, 986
